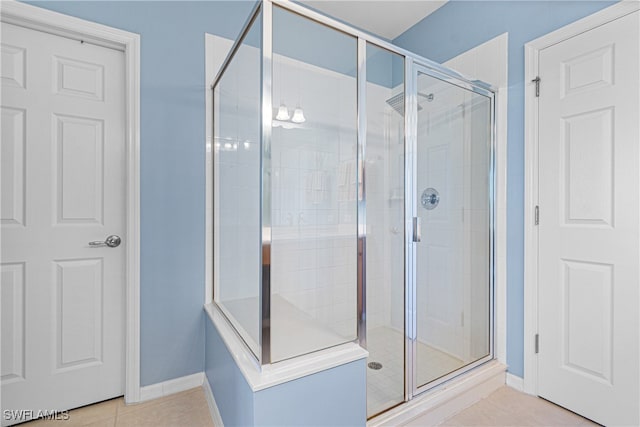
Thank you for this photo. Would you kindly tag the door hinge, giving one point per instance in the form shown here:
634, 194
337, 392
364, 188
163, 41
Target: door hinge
536, 215
536, 344
537, 82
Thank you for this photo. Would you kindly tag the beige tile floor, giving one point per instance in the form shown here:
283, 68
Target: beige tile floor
188, 408
508, 407
505, 407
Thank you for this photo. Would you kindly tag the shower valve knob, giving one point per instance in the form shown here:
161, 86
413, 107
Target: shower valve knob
430, 198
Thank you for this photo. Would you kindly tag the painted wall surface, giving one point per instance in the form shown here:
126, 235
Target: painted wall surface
461, 25
172, 168
233, 395
335, 397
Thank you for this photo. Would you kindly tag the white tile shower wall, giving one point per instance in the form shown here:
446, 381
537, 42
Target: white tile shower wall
314, 189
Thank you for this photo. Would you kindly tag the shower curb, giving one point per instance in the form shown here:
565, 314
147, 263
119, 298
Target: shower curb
435, 406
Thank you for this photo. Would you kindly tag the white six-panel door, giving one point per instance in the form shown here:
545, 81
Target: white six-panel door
589, 235
63, 186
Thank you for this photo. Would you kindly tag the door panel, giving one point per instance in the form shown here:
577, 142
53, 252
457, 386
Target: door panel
587, 296
78, 78
588, 231
588, 168
78, 313
13, 322
63, 182
13, 167
77, 171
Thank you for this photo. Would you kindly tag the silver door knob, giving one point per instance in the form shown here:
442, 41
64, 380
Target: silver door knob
112, 241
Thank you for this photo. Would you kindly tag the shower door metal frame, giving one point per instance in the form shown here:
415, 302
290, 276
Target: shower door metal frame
266, 84
410, 169
414, 67
413, 64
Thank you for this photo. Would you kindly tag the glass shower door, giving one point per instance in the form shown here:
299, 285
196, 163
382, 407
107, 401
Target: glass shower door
428, 290
452, 210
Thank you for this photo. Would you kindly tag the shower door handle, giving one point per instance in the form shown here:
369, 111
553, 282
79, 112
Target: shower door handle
417, 229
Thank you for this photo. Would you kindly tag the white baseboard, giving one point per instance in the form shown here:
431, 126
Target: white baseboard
173, 386
213, 406
434, 407
515, 382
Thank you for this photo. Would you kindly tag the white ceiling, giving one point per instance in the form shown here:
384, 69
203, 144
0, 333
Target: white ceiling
384, 18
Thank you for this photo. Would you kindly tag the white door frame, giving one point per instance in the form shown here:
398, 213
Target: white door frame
36, 18
532, 51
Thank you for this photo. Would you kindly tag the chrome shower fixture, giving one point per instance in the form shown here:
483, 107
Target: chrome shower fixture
430, 198
397, 101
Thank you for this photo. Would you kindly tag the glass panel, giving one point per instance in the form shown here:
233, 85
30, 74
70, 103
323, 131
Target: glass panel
314, 187
384, 162
237, 131
452, 260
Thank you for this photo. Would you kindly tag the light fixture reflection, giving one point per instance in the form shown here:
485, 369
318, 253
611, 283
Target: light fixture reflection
283, 113
298, 116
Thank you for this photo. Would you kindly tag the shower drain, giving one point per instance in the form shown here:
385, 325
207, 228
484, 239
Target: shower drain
375, 365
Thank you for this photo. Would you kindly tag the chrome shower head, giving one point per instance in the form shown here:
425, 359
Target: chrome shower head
397, 101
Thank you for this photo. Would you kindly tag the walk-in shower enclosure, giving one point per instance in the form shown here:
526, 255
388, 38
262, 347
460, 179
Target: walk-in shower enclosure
353, 201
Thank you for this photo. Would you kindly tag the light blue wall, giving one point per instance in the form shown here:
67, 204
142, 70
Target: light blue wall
461, 25
233, 395
172, 168
335, 397
312, 43
307, 41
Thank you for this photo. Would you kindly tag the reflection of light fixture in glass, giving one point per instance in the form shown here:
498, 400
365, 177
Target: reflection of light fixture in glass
298, 116
247, 145
283, 113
